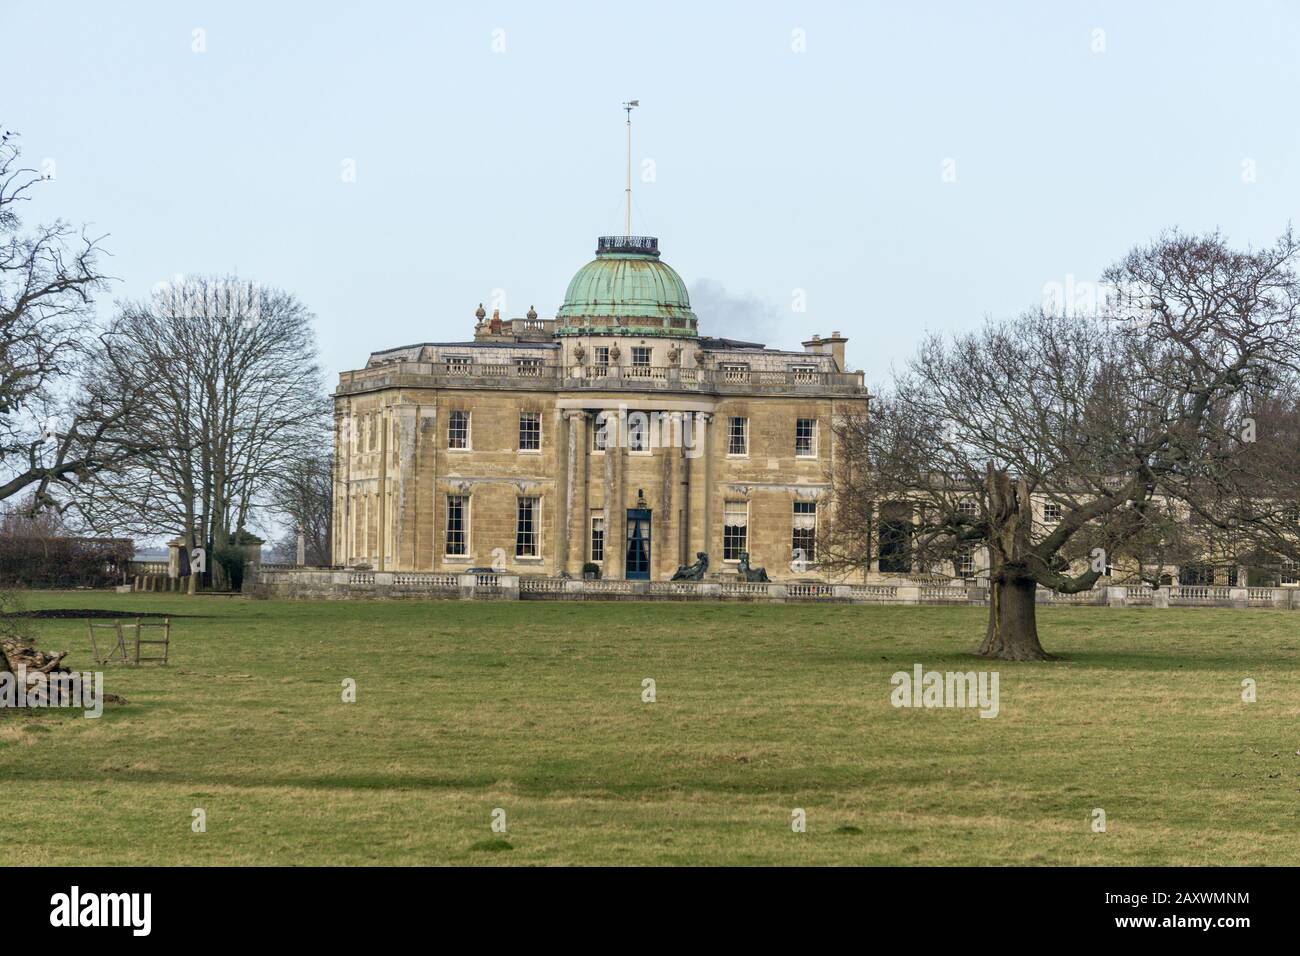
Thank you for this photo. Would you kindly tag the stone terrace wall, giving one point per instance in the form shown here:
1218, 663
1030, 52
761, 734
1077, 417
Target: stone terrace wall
340, 585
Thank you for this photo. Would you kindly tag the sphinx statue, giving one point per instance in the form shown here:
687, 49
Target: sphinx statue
751, 574
693, 572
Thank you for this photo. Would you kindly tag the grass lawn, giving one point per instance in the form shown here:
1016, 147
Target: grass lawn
536, 708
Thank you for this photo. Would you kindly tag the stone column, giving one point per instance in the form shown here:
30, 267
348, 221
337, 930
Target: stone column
174, 548
613, 558
564, 491
582, 542
684, 548
664, 500
381, 522
341, 545
619, 515
406, 499
575, 494
679, 490
706, 527
428, 548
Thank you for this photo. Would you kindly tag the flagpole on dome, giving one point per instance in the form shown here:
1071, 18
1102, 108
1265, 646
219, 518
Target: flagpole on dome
627, 230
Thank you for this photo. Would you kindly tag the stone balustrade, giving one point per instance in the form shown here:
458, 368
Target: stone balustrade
637, 378
337, 584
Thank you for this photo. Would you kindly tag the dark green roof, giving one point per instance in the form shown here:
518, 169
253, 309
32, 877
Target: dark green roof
626, 288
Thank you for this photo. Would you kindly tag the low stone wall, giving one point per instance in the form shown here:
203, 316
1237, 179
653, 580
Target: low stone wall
1187, 596
339, 585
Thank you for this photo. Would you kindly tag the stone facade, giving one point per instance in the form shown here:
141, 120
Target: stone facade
710, 445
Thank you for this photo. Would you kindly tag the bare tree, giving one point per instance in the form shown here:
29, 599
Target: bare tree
1162, 542
52, 436
236, 398
304, 496
1104, 417
22, 516
1244, 499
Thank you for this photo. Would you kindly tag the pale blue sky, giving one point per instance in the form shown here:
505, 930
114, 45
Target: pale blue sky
776, 170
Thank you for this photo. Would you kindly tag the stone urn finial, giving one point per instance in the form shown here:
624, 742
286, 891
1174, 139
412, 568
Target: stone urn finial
614, 352
699, 357
480, 314
579, 353
532, 313
674, 353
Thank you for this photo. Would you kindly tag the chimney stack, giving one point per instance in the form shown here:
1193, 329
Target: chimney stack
833, 346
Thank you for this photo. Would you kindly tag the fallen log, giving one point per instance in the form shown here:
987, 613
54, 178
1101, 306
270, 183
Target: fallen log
19, 654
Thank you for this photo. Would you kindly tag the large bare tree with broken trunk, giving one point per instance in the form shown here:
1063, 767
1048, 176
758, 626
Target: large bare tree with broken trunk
236, 399
1108, 418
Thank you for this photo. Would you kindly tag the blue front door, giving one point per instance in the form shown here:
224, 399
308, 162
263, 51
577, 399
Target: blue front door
638, 544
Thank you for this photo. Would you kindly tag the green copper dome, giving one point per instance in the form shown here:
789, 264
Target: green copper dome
626, 289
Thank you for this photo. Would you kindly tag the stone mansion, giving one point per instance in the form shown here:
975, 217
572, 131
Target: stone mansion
614, 434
